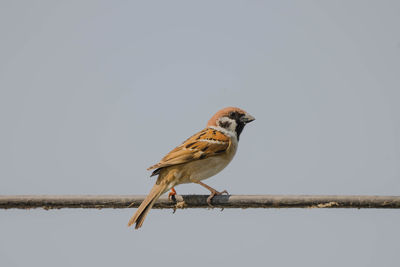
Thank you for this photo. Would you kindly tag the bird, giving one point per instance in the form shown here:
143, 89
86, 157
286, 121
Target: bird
201, 156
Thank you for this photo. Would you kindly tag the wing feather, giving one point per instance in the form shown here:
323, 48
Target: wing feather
206, 143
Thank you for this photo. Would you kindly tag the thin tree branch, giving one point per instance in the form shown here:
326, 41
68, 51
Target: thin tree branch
199, 201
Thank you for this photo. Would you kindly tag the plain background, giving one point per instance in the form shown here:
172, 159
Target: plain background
94, 92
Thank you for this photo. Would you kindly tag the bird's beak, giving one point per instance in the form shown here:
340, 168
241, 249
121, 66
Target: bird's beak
247, 118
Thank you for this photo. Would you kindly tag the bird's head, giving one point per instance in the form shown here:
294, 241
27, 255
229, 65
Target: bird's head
231, 119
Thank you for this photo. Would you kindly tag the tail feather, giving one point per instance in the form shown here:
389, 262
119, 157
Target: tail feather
147, 204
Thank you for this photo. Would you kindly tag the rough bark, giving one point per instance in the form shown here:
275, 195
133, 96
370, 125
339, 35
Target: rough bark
199, 201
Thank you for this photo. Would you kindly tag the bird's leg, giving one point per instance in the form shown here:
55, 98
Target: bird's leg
213, 192
171, 195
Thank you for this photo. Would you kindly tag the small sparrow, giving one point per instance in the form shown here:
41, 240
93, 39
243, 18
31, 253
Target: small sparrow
201, 156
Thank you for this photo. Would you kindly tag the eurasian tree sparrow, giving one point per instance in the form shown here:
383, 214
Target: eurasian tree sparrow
201, 156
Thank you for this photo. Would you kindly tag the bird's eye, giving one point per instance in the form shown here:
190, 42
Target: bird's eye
232, 114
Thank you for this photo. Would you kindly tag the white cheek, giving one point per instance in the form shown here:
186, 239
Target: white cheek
232, 127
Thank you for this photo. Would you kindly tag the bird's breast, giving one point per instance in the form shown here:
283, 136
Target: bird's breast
202, 169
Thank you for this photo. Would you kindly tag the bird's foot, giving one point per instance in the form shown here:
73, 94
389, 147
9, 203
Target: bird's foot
215, 193
179, 205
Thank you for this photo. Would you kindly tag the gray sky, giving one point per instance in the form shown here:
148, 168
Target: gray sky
94, 92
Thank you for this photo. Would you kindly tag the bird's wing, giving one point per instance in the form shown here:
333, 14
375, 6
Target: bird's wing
206, 143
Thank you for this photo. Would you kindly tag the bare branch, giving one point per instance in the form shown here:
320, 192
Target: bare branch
199, 201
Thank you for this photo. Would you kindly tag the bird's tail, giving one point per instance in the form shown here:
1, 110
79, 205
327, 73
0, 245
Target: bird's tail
147, 204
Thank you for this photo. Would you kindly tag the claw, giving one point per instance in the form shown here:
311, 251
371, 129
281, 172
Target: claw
179, 205
224, 192
215, 193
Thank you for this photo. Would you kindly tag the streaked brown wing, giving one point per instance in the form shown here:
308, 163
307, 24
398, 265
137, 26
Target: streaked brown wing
204, 144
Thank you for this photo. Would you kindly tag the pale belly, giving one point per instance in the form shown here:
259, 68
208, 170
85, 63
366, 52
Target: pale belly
202, 169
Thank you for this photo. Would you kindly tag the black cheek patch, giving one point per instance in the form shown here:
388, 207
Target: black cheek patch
225, 124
